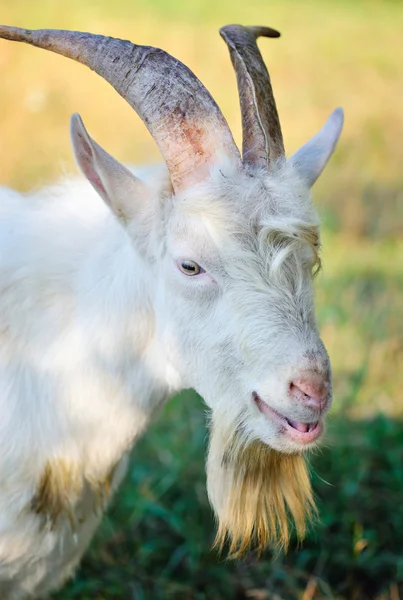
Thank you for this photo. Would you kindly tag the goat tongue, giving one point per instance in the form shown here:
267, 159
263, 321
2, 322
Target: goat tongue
303, 427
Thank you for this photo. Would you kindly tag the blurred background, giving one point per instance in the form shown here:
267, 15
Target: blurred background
155, 542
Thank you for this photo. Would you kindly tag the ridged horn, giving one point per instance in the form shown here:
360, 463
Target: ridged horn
177, 109
262, 137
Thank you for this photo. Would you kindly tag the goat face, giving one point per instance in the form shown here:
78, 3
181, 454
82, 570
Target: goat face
240, 253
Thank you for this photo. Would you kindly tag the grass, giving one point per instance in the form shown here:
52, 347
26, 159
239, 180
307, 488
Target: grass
155, 541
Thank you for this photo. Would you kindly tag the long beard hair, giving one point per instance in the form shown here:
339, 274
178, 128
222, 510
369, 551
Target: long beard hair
254, 490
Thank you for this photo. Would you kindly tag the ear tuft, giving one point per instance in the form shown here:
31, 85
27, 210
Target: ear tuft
84, 153
311, 159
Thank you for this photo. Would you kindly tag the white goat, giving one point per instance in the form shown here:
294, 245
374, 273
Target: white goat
199, 276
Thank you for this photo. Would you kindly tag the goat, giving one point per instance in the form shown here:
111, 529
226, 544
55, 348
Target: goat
198, 275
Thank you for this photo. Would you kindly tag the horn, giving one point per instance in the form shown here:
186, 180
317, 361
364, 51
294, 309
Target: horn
262, 137
177, 109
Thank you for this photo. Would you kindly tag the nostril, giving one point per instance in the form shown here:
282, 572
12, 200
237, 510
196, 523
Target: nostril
296, 390
313, 389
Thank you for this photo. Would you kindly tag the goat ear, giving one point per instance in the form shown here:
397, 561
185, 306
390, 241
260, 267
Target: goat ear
311, 159
118, 187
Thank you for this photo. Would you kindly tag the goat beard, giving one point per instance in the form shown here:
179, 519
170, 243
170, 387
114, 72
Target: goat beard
254, 490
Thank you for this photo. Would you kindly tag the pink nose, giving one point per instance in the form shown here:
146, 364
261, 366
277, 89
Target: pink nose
313, 389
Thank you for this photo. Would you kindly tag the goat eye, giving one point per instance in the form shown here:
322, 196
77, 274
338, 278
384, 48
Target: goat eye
188, 267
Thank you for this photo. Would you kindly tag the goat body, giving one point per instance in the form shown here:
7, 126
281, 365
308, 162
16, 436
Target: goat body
79, 376
198, 275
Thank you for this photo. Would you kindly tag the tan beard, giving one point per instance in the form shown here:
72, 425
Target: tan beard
254, 490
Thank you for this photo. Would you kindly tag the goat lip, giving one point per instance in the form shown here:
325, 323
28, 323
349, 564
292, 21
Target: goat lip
303, 433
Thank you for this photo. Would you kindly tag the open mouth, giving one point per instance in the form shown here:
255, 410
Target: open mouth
303, 433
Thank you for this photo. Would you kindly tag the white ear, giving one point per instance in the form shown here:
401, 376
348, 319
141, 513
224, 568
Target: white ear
311, 159
118, 187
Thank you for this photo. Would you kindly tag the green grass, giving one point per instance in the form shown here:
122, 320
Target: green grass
155, 542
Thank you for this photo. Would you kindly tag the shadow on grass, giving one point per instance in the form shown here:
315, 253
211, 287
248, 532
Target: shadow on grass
155, 542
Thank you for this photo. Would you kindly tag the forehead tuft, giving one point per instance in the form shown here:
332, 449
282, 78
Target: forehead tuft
235, 201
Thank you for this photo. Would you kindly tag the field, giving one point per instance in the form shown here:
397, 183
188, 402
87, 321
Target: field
155, 542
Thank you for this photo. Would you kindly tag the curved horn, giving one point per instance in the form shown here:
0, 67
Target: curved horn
179, 112
262, 137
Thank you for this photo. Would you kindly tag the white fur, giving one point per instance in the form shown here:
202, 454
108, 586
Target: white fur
99, 327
